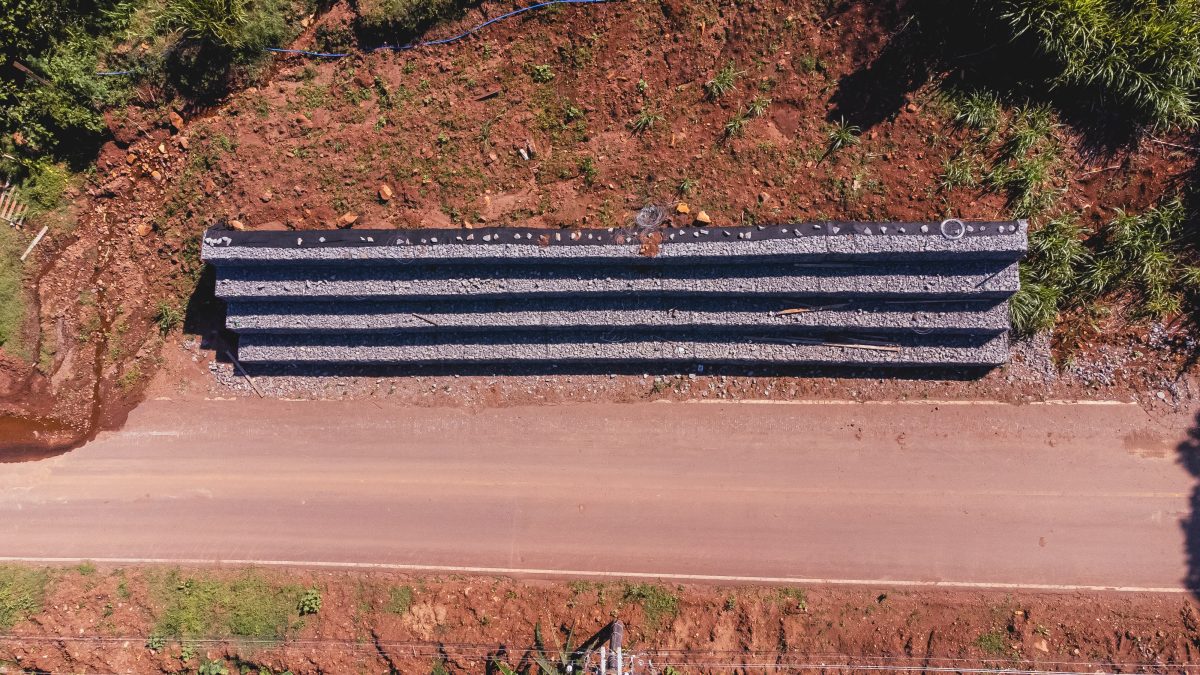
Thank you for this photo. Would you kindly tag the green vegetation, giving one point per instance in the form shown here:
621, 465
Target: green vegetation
213, 668
245, 605
541, 73
1025, 165
400, 599
12, 295
645, 121
658, 603
167, 316
797, 596
1142, 54
842, 135
957, 172
22, 591
724, 82
1144, 256
979, 110
588, 171
566, 657
736, 125
687, 186
1049, 275
992, 642
405, 18
758, 107
310, 602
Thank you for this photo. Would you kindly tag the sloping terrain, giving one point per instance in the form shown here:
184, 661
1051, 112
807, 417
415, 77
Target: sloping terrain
576, 116
169, 620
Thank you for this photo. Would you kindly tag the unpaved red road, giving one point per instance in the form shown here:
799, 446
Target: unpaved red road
993, 493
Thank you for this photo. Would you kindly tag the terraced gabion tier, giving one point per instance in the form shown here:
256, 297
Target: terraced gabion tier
821, 294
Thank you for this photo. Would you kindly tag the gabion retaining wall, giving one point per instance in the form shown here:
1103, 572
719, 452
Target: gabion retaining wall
890, 294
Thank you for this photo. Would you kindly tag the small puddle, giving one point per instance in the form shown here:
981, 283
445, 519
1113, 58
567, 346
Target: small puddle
1146, 444
25, 439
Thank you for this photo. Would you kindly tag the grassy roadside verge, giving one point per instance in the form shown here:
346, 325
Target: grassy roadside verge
279, 620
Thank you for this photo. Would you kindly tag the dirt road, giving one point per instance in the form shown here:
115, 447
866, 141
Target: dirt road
1035, 495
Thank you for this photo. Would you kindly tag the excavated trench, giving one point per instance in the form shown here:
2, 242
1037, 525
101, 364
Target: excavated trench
819, 294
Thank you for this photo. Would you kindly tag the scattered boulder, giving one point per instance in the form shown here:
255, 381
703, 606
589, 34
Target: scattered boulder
347, 219
385, 193
175, 120
682, 207
703, 217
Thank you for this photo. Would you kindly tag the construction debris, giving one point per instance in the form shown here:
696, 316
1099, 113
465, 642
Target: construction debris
35, 242
12, 210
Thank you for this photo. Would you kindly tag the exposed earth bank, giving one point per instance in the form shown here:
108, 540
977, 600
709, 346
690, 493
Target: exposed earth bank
126, 619
533, 122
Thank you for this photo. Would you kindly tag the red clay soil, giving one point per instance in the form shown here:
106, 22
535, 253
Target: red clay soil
100, 621
444, 128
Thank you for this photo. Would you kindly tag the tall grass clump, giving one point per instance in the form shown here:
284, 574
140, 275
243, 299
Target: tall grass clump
1050, 275
1143, 55
1144, 255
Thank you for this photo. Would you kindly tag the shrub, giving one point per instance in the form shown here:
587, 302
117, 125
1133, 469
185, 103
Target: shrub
1143, 54
310, 602
541, 73
45, 185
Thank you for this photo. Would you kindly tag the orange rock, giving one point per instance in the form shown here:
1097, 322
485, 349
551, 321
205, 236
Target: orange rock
144, 229
385, 192
347, 219
175, 120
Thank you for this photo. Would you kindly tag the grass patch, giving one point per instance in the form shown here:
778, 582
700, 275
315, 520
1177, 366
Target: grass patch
794, 595
22, 591
658, 603
245, 605
993, 642
12, 291
400, 599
